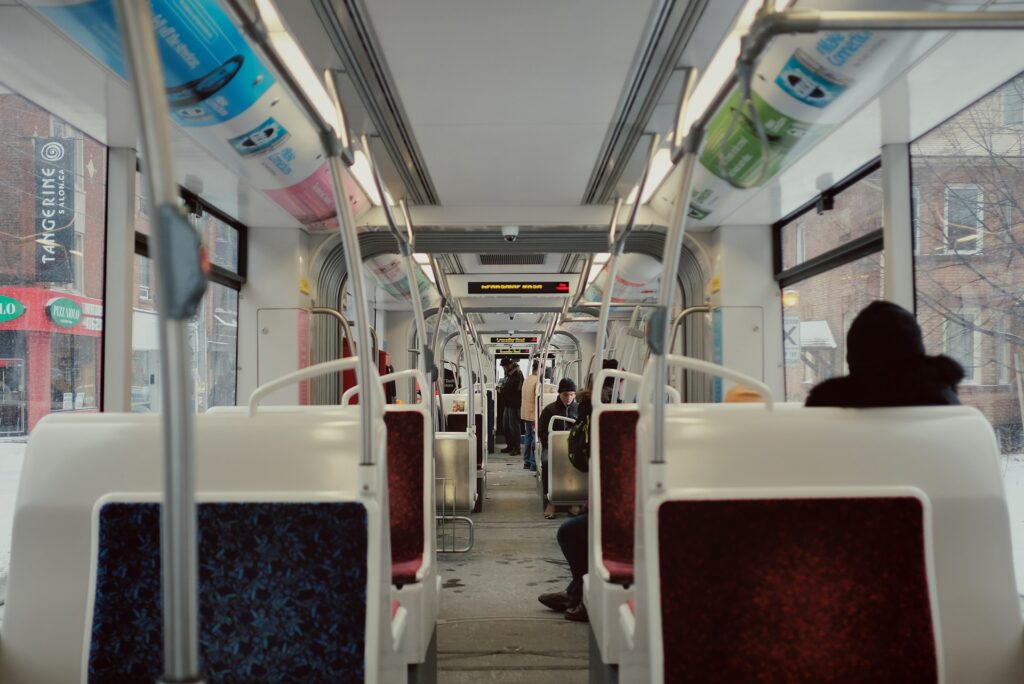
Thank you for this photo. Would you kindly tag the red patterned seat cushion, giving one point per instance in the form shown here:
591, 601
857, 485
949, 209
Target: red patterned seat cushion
618, 488
795, 590
405, 492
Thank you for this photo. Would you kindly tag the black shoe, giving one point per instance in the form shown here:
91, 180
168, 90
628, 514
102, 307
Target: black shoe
578, 613
507, 450
515, 453
558, 601
526, 466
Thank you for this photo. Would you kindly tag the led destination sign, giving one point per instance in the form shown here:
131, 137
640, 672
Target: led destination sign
513, 340
510, 350
507, 287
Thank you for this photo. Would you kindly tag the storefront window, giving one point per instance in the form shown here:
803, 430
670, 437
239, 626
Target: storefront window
969, 265
52, 232
816, 316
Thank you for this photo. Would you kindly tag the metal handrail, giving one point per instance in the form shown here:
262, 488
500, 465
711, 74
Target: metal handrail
366, 368
307, 373
176, 254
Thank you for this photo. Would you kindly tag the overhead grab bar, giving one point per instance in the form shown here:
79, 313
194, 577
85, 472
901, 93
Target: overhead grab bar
176, 255
412, 373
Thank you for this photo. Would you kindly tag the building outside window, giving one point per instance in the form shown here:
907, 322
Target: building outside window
969, 271
52, 233
964, 218
819, 307
213, 332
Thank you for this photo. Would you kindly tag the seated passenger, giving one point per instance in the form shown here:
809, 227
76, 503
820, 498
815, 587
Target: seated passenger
564, 405
888, 365
572, 538
609, 384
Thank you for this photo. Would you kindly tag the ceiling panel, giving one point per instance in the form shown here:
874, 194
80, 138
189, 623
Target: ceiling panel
509, 101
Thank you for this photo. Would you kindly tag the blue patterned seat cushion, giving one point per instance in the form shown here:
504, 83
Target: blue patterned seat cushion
282, 593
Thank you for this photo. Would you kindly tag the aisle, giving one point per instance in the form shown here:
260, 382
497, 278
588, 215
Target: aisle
492, 629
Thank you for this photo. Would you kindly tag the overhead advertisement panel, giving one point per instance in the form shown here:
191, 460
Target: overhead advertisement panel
507, 287
222, 93
805, 86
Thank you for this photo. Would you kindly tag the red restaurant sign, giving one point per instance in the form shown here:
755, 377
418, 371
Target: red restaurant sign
36, 318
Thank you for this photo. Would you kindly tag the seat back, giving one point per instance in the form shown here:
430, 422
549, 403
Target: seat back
796, 589
860, 541
410, 483
567, 486
85, 539
613, 488
455, 470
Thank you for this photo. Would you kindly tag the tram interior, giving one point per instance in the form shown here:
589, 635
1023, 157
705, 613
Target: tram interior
518, 179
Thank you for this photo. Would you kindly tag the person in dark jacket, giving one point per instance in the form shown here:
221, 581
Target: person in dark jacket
512, 395
564, 405
888, 365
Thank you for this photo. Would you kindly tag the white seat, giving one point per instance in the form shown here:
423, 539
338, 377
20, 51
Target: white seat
947, 456
75, 464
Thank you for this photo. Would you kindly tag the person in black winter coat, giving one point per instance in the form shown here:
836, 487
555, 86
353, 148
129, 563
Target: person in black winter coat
565, 405
888, 365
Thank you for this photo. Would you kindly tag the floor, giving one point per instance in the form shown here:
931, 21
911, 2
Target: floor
491, 627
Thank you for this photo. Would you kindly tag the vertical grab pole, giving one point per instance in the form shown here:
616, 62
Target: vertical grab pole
354, 264
176, 256
659, 329
425, 357
606, 297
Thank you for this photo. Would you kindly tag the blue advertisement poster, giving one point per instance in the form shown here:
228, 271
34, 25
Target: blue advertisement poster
211, 73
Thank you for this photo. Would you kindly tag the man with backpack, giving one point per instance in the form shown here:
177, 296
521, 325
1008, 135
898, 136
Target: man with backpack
572, 535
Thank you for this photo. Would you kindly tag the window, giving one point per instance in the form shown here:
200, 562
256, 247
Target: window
968, 293
850, 211
213, 331
145, 278
961, 341
1002, 350
964, 214
52, 240
915, 217
1013, 103
820, 313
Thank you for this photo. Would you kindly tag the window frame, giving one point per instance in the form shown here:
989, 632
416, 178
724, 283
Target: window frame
980, 213
972, 375
843, 254
1012, 95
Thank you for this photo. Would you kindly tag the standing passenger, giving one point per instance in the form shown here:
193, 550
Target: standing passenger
512, 391
888, 366
564, 405
528, 414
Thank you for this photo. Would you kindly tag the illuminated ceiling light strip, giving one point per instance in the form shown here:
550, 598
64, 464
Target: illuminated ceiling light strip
660, 167
293, 57
360, 170
722, 64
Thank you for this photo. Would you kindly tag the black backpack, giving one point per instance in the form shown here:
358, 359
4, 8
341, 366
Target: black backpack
579, 444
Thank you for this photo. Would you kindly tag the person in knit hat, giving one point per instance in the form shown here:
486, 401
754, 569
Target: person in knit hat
889, 366
564, 405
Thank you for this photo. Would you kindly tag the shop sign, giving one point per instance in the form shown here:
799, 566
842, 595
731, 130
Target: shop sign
54, 209
64, 312
10, 308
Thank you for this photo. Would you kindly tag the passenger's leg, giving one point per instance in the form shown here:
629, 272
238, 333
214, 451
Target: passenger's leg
505, 428
516, 429
528, 457
572, 538
549, 508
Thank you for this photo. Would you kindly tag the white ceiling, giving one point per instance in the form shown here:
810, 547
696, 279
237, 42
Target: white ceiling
509, 101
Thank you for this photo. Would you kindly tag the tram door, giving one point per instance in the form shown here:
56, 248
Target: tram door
12, 397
